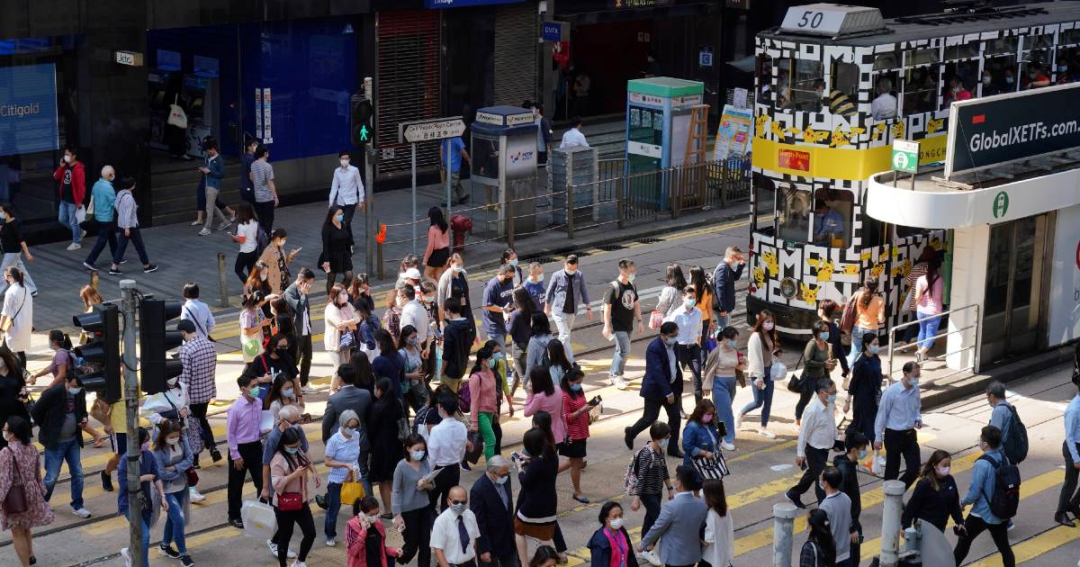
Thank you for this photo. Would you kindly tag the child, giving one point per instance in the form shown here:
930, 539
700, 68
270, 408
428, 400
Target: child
535, 284
364, 545
251, 324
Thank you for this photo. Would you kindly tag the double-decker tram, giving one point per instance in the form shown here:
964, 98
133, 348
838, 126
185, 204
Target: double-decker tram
835, 87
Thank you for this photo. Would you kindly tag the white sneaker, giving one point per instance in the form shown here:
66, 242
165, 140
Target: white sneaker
204, 232
224, 225
195, 495
619, 382
127, 557
766, 433
74, 246
81, 512
308, 390
651, 557
738, 420
727, 446
196, 222
299, 564
273, 550
331, 542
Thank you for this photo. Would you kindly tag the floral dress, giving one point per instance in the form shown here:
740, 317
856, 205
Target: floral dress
19, 465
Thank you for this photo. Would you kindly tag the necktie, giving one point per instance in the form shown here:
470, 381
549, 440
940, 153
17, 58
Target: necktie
463, 533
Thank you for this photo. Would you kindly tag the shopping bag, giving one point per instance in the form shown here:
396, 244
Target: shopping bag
80, 214
656, 319
252, 346
259, 520
177, 116
878, 468
351, 492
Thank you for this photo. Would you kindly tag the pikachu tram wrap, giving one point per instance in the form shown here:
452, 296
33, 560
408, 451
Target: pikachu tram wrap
827, 110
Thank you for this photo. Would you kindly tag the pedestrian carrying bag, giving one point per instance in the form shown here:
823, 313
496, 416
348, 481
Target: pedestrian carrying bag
656, 319
290, 501
477, 441
15, 501
711, 468
259, 519
632, 475
795, 381
1006, 497
1016, 444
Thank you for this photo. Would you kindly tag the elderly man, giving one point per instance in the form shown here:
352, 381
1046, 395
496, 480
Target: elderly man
289, 416
453, 537
491, 500
103, 195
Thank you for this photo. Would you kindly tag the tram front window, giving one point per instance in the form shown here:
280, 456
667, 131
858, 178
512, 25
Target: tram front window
793, 215
832, 218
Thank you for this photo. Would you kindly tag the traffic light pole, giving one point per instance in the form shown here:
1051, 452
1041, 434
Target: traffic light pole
369, 175
128, 307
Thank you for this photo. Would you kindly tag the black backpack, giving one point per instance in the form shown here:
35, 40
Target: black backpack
1016, 444
1006, 497
262, 240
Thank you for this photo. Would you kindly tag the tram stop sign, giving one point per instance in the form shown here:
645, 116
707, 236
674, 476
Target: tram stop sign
905, 156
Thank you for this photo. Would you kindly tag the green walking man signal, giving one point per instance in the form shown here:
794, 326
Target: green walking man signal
363, 121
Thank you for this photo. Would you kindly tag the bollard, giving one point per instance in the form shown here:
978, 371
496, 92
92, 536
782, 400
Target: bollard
94, 280
224, 300
890, 522
783, 533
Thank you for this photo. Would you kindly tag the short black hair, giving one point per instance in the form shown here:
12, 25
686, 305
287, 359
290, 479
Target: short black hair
71, 149
306, 274
127, 182
384, 385
992, 436
209, 145
191, 290
659, 430
606, 509
626, 264
572, 259
20, 428
448, 404
347, 373
688, 477
855, 440
832, 477
261, 150
344, 153
245, 380
910, 367
668, 327
453, 305
577, 121
279, 233
996, 389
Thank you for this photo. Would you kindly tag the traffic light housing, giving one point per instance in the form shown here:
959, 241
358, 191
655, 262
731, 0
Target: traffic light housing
362, 130
155, 342
101, 372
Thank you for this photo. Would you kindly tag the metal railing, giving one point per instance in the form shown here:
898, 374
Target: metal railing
964, 347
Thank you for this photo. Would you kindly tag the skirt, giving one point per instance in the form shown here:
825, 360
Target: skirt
573, 449
438, 258
542, 532
340, 262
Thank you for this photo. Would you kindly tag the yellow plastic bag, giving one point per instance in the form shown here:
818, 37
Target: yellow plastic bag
351, 492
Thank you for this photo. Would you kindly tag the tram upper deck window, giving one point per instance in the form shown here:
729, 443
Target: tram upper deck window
801, 86
793, 215
832, 218
921, 89
1000, 60
1067, 69
883, 107
1035, 61
845, 91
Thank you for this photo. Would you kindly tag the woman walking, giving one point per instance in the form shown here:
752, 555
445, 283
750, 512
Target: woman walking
703, 293
415, 386
411, 504
930, 299
558, 365
936, 497
382, 431
536, 353
337, 245
510, 257
254, 328
17, 316
701, 438
610, 544
339, 338
20, 471
519, 327
173, 404
484, 397
865, 388
366, 536
289, 470
719, 549
360, 293
454, 283
721, 367
13, 392
247, 236
174, 458
438, 246
576, 413
870, 313
389, 364
277, 261
818, 362
342, 452
282, 393
258, 281
827, 312
369, 325
537, 504
127, 225
671, 296
820, 548
14, 246
544, 395
761, 350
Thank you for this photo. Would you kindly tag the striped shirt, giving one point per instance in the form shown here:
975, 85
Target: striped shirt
200, 360
652, 471
577, 428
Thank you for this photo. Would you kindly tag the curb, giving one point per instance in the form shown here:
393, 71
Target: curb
1011, 372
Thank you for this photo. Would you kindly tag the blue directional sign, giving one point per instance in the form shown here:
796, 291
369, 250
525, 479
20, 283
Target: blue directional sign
552, 31
28, 121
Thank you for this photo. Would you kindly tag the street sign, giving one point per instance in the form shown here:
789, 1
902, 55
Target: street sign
129, 58
552, 31
430, 130
905, 156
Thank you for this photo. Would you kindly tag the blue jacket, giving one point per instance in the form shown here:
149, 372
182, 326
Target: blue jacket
982, 487
104, 195
724, 284
657, 383
147, 465
600, 549
179, 469
680, 527
495, 520
697, 437
559, 286
217, 171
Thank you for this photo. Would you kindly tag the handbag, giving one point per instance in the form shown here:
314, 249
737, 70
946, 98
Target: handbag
796, 381
177, 116
80, 214
290, 501
351, 490
346, 340
15, 501
192, 476
477, 441
403, 424
711, 468
656, 319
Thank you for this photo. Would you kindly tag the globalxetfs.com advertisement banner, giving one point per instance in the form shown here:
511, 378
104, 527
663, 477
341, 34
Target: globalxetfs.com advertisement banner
28, 120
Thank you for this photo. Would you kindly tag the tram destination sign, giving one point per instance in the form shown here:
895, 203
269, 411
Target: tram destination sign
430, 130
996, 130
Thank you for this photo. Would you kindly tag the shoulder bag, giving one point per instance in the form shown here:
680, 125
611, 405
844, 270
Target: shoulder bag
177, 116
796, 380
7, 322
15, 501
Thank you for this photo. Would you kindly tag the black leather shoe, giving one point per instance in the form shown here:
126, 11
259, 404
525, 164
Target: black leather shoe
1063, 519
628, 439
237, 523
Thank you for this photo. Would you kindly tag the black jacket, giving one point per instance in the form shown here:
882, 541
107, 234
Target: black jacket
934, 506
496, 521
458, 337
849, 484
49, 414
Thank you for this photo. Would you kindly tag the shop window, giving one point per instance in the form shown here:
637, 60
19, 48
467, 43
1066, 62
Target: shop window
765, 79
999, 75
764, 204
969, 50
793, 214
845, 89
801, 86
883, 105
832, 217
921, 89
959, 83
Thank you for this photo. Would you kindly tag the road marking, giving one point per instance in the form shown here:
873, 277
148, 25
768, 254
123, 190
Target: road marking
1034, 547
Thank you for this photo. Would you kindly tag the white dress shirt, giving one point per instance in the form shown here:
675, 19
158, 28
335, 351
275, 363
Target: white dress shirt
818, 427
414, 313
883, 107
689, 323
445, 536
446, 443
573, 138
347, 188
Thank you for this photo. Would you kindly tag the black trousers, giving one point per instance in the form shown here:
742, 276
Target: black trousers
1069, 500
106, 235
417, 536
448, 477
497, 430
808, 391
305, 358
245, 261
265, 212
974, 526
690, 355
285, 522
816, 459
135, 237
251, 453
902, 444
198, 411
651, 413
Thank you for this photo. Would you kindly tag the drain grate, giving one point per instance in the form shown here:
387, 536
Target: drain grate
611, 247
582, 254
649, 240
544, 260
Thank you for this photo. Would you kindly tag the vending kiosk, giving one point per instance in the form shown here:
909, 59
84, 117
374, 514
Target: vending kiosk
504, 156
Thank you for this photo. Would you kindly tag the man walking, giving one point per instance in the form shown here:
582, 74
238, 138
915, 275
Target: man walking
456, 148
296, 297
262, 180
196, 311
816, 436
350, 398
543, 135
60, 413
242, 423
446, 448
837, 507
727, 272
855, 445
71, 176
127, 225
491, 500
453, 536
688, 342
198, 377
982, 518
347, 189
459, 333
103, 196
661, 387
680, 523
899, 415
213, 170
247, 187
1069, 499
621, 311
497, 303
574, 138
565, 292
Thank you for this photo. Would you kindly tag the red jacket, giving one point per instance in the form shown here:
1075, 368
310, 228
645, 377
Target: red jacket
78, 181
355, 539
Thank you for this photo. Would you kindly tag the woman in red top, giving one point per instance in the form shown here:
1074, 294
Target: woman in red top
577, 428
365, 536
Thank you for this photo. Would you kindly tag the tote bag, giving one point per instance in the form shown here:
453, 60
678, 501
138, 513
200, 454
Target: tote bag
177, 116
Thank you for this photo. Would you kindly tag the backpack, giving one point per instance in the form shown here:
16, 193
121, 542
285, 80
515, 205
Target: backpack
1006, 497
631, 476
262, 240
851, 314
1016, 444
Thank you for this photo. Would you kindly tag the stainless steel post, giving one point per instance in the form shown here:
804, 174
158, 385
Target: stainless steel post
128, 307
890, 523
413, 146
783, 533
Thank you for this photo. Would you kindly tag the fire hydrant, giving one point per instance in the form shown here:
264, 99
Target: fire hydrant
459, 225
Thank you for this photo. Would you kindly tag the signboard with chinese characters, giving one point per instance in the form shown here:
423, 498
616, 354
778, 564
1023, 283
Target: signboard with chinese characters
430, 130
268, 135
258, 114
905, 156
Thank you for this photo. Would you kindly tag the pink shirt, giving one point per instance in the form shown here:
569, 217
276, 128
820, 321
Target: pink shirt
552, 404
242, 423
930, 302
482, 394
436, 239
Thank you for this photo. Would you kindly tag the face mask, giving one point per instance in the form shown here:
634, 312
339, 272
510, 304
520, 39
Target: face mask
942, 471
500, 480
825, 336
731, 343
9, 437
372, 518
671, 340
513, 262
255, 391
689, 302
956, 89
173, 382
536, 279
412, 341
287, 392
416, 455
832, 399
263, 277
292, 450
458, 269
571, 271
350, 432
986, 80
344, 162
616, 523
575, 387
821, 484
491, 363
768, 325
458, 509
172, 440
339, 218
664, 444
913, 380
862, 454
631, 277
874, 349
707, 418
1009, 80
74, 391
67, 159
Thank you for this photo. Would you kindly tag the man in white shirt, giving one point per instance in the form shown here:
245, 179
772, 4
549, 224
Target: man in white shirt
414, 313
816, 436
196, 311
453, 536
688, 344
347, 189
573, 138
884, 106
446, 448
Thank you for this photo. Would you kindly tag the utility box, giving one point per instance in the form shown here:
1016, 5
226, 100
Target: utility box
504, 158
573, 169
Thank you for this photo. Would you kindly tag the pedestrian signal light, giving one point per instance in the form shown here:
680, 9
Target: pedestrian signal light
155, 342
363, 121
99, 370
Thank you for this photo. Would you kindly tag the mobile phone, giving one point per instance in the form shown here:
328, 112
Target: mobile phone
596, 401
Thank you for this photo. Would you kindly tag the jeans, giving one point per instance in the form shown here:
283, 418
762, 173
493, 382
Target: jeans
285, 522
265, 214
520, 357
67, 217
901, 444
145, 540
136, 239
174, 525
690, 355
54, 457
483, 423
245, 262
1069, 499
651, 502
723, 394
417, 536
564, 322
856, 343
15, 259
928, 329
106, 235
974, 526
333, 506
622, 352
721, 320
762, 398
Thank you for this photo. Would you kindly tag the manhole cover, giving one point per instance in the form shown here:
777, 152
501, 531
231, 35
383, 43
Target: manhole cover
649, 240
610, 247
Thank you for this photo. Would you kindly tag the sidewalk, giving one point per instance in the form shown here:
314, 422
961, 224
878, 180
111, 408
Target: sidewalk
183, 256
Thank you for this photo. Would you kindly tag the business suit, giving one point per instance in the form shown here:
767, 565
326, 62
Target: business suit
679, 529
300, 309
350, 397
657, 385
495, 520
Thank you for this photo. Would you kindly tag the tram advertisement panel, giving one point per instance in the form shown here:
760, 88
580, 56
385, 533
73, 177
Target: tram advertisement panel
990, 131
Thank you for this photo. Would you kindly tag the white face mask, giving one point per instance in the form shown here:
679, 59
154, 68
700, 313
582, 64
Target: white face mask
537, 278
172, 441
616, 523
344, 163
942, 471
68, 159
768, 325
9, 437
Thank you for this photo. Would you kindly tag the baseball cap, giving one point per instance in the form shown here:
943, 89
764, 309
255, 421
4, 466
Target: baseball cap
412, 274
